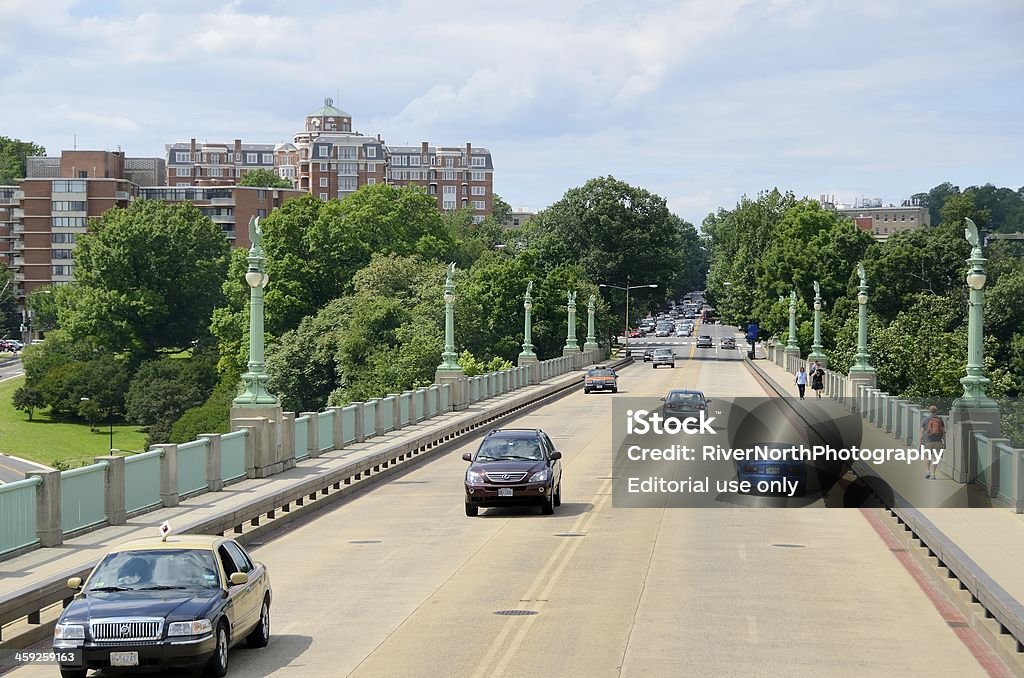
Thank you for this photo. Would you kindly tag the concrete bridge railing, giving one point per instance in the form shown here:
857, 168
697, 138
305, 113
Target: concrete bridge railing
49, 507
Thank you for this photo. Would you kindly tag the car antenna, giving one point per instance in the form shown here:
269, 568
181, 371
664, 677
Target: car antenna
165, 529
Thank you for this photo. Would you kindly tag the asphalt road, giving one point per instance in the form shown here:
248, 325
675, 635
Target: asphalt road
399, 582
10, 368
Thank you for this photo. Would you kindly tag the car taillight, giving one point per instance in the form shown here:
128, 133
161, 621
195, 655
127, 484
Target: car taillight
750, 468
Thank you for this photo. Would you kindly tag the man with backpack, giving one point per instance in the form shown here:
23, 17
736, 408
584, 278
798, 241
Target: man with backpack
933, 437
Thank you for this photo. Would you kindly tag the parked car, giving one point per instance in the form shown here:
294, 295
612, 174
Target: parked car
663, 356
682, 403
172, 602
600, 379
704, 341
514, 467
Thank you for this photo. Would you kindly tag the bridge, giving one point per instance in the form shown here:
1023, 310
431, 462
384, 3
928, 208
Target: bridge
377, 571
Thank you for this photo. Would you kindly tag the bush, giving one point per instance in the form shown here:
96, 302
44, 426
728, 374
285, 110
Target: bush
28, 400
213, 416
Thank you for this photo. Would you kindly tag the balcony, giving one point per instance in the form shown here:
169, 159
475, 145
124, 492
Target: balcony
18, 261
222, 218
18, 246
17, 213
18, 228
222, 201
122, 195
19, 276
19, 195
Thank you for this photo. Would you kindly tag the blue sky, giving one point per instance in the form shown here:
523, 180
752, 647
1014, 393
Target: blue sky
700, 101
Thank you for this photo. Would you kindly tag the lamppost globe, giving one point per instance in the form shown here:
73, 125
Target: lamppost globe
449, 298
862, 299
817, 306
528, 305
976, 280
266, 279
254, 279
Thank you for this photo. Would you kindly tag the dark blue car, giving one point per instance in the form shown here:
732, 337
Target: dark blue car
783, 464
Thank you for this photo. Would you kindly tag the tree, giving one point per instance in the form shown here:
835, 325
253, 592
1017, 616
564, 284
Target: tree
147, 278
264, 178
12, 158
163, 389
9, 318
501, 211
27, 399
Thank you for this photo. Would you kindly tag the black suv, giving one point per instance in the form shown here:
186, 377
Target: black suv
514, 467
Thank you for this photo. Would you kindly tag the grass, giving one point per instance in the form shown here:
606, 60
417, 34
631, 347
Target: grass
44, 440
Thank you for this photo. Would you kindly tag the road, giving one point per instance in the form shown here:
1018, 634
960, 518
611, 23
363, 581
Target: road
10, 368
399, 582
13, 468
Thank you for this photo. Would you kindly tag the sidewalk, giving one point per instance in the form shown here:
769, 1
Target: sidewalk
992, 537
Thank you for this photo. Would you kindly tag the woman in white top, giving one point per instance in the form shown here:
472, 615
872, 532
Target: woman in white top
801, 381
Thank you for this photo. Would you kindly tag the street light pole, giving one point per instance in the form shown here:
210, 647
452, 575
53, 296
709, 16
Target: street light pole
974, 382
791, 345
816, 352
626, 289
255, 379
527, 351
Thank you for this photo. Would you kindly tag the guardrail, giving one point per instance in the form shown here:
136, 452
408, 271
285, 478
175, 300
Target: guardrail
263, 513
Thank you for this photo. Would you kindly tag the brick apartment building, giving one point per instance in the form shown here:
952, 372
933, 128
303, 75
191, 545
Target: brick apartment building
331, 160
881, 221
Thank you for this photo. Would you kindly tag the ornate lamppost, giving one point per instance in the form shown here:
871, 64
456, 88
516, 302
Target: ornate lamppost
591, 342
791, 345
860, 359
255, 393
974, 382
570, 339
449, 358
816, 352
527, 352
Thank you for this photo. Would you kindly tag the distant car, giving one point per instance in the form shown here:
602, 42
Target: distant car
728, 342
663, 356
663, 332
514, 467
157, 603
682, 403
682, 332
784, 465
704, 341
648, 355
600, 379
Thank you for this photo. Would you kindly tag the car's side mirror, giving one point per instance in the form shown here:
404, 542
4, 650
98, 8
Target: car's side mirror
708, 402
239, 579
661, 399
75, 583
556, 455
467, 456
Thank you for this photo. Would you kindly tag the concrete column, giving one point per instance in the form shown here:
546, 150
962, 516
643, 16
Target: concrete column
48, 528
265, 460
1018, 478
168, 474
960, 461
338, 427
434, 398
113, 489
312, 434
214, 480
457, 380
995, 463
396, 410
286, 448
378, 416
532, 365
359, 432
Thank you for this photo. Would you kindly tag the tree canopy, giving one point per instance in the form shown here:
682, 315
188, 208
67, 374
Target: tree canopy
264, 178
12, 158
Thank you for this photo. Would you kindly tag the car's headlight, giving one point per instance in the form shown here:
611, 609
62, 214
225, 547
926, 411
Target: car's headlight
473, 477
69, 632
196, 627
541, 476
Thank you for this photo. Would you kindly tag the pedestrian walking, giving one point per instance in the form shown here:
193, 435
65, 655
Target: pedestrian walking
818, 379
801, 381
933, 437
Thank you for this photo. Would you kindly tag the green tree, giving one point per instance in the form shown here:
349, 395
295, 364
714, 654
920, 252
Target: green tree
27, 399
264, 178
501, 211
147, 278
162, 390
10, 321
12, 158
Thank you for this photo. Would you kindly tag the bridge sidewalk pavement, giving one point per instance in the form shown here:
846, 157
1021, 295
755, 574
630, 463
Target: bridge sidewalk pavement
992, 537
43, 564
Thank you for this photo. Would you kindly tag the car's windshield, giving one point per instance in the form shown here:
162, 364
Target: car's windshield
681, 397
600, 373
497, 449
663, 351
156, 569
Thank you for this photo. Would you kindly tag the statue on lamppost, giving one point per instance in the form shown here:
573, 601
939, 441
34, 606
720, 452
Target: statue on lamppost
974, 382
255, 393
449, 358
591, 342
570, 339
791, 344
816, 354
528, 352
861, 365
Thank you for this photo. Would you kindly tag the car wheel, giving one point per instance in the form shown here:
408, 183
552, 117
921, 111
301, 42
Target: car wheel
615, 389
558, 494
217, 665
586, 390
472, 509
260, 636
73, 673
548, 507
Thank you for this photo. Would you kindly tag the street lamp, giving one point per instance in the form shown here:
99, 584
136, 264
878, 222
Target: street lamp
974, 382
791, 345
626, 289
860, 359
449, 359
816, 353
527, 324
255, 379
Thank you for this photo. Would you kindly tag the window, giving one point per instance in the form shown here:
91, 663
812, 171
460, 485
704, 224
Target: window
65, 186
448, 175
449, 190
323, 182
215, 158
182, 156
414, 161
478, 176
240, 561
323, 196
67, 222
347, 184
479, 190
448, 204
261, 213
415, 174
449, 162
347, 152
250, 158
479, 205
215, 171
323, 167
371, 167
268, 158
433, 189
371, 151
82, 174
261, 194
479, 162
62, 269
67, 205
463, 189
61, 254
238, 157
346, 168
478, 218
62, 237
371, 181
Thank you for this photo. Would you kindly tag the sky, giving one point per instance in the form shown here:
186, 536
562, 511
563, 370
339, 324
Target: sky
699, 101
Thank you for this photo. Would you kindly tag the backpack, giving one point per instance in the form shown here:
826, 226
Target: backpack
935, 427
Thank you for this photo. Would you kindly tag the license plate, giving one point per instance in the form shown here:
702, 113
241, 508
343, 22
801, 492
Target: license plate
504, 491
124, 658
771, 469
